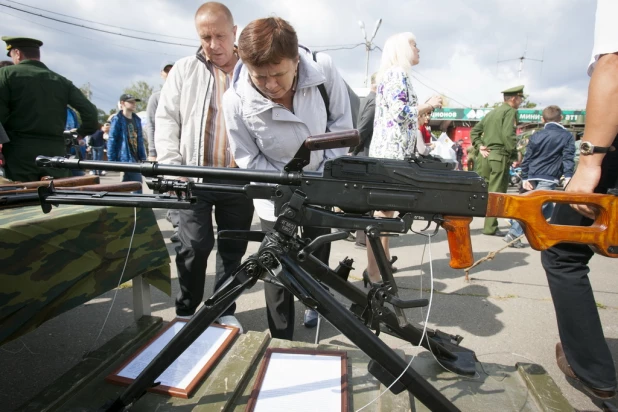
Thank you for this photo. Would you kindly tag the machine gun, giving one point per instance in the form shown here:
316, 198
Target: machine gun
418, 188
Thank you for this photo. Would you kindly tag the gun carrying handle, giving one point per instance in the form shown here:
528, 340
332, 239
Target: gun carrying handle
335, 140
459, 242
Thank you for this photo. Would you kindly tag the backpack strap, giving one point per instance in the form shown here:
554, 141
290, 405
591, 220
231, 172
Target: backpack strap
322, 90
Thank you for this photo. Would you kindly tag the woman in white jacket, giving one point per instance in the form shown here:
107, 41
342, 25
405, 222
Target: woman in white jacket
272, 106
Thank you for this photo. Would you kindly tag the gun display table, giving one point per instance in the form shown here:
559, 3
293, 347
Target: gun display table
227, 387
50, 263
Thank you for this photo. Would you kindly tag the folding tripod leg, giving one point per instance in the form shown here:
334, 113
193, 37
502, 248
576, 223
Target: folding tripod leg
386, 365
244, 278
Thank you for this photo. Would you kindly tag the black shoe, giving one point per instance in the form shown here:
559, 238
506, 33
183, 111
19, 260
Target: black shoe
367, 280
564, 366
311, 318
393, 260
496, 233
174, 238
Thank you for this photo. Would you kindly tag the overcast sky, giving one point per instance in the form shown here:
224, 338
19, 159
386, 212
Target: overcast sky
461, 42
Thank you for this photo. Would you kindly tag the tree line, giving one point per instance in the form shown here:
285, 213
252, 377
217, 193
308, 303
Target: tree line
140, 89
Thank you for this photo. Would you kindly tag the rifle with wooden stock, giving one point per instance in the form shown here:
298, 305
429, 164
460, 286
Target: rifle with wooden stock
58, 182
30, 195
420, 188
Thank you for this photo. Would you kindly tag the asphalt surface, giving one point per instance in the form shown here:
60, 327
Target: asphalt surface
504, 312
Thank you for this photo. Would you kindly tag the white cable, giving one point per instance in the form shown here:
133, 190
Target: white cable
422, 335
119, 282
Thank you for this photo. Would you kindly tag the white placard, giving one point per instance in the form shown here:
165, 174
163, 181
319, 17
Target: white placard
188, 365
301, 383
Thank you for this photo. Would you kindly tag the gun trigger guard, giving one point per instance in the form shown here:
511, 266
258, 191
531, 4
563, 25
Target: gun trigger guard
434, 219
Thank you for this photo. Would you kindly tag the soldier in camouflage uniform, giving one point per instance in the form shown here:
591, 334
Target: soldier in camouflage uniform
495, 142
33, 110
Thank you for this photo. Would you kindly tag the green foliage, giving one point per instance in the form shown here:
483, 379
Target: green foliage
87, 90
526, 104
108, 117
102, 116
141, 90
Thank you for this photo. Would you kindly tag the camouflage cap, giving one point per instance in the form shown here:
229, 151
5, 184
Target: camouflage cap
17, 42
514, 91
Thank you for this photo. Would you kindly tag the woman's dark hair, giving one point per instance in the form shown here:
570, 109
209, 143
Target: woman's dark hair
267, 41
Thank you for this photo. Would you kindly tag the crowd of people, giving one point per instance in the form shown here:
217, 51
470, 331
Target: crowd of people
251, 106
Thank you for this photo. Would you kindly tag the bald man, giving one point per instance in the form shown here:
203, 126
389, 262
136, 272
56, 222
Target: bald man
190, 130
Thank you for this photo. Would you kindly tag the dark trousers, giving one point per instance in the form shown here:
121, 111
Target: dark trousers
132, 177
495, 170
280, 302
20, 158
579, 325
361, 238
196, 234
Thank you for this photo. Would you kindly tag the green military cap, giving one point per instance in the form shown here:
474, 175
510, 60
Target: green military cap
17, 42
514, 91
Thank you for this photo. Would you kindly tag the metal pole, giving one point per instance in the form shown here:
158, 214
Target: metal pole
367, 65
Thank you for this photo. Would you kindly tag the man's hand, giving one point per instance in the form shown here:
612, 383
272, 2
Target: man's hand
527, 185
484, 151
585, 180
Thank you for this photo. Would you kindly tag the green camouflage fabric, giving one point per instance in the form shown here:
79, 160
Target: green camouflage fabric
50, 263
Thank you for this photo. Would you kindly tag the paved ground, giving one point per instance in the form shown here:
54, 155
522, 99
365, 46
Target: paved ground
504, 313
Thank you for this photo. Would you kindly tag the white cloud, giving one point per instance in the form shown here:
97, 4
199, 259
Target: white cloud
460, 41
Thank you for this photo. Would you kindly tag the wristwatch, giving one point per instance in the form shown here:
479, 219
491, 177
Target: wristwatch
587, 148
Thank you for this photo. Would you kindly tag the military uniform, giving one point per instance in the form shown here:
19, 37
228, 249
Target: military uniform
496, 131
33, 110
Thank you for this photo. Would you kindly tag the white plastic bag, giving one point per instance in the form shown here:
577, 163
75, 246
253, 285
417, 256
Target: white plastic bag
444, 148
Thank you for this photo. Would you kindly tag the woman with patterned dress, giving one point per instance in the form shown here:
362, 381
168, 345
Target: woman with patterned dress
396, 119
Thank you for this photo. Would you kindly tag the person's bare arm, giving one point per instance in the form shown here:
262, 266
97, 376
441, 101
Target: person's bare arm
601, 126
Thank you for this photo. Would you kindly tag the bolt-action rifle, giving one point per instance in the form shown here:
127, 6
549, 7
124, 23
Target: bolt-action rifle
420, 188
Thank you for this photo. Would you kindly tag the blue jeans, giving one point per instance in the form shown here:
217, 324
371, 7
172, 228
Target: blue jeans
97, 154
132, 177
516, 229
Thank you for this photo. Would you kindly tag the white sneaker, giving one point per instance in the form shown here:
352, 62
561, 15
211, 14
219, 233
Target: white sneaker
230, 320
103, 172
91, 172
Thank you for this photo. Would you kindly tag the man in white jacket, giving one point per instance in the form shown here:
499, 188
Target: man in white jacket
190, 130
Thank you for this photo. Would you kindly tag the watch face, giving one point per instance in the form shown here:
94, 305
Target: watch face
585, 148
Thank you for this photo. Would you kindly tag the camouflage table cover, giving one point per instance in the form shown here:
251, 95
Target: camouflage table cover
50, 263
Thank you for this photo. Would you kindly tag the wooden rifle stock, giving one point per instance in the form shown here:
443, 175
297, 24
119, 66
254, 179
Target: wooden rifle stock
59, 182
601, 236
113, 187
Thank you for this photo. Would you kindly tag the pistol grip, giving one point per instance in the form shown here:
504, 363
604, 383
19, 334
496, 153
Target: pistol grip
459, 242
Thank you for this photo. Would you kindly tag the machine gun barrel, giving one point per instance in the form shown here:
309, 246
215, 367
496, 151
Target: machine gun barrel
151, 169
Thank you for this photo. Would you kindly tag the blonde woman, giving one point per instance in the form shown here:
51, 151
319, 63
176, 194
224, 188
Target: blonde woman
396, 120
